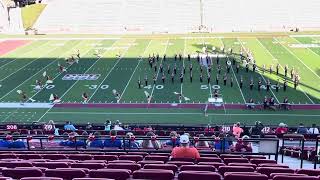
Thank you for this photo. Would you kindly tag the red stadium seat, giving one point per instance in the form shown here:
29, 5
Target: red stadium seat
215, 164
268, 170
243, 164
182, 159
245, 176
14, 164
159, 174
273, 165
172, 167
8, 156
41, 178
86, 170
30, 156
309, 172
92, 179
157, 158
130, 166
222, 156
209, 155
295, 178
118, 174
65, 173
223, 169
180, 163
54, 156
209, 159
122, 161
51, 165
18, 173
88, 165
143, 154
197, 168
149, 162
263, 161
135, 158
272, 175
105, 157
255, 157
203, 175
235, 160
80, 157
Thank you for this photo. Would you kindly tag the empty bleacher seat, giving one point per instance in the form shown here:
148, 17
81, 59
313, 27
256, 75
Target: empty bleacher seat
14, 164
119, 174
88, 165
180, 163
51, 165
69, 173
197, 168
272, 175
263, 161
105, 157
18, 173
182, 159
243, 164
30, 156
284, 177
80, 157
153, 174
223, 169
54, 156
135, 158
273, 165
209, 159
129, 166
8, 156
235, 160
171, 167
268, 170
41, 178
309, 172
215, 164
149, 162
157, 158
245, 176
203, 175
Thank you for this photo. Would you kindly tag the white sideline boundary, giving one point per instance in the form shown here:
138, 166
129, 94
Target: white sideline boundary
65, 38
27, 105
305, 35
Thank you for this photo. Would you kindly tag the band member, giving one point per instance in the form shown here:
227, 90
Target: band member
184, 70
228, 68
247, 67
217, 79
286, 70
254, 67
163, 78
209, 78
191, 77
271, 69
277, 68
285, 84
201, 78
161, 68
295, 83
181, 78
85, 97
225, 79
292, 73
268, 85
175, 57
139, 83
201, 69
219, 69
62, 68
78, 54
189, 57
233, 61
241, 82
218, 60
251, 84
175, 69
209, 69
190, 68
168, 69
198, 58
164, 57
237, 68
259, 84
180, 57
277, 86
231, 81
263, 68
157, 57
215, 93
265, 102
154, 79
146, 80
155, 67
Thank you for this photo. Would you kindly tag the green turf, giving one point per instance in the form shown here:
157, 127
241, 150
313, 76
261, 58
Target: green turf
23, 66
30, 14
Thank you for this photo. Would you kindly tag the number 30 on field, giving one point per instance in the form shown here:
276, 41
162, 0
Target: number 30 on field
94, 86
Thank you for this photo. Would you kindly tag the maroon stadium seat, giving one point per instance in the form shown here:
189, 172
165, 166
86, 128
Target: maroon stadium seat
209, 159
93, 161
14, 164
80, 157
18, 173
149, 162
180, 163
157, 158
92, 179
295, 178
245, 176
243, 164
41, 178
54, 156
235, 160
209, 155
86, 170
215, 164
130, 166
8, 156
105, 157
197, 168
172, 167
255, 157
88, 165
159, 174
143, 154
135, 158
65, 173
309, 172
272, 175
117, 174
51, 165
223, 169
222, 156
203, 175
263, 161
182, 159
30, 156
268, 170
273, 165
121, 161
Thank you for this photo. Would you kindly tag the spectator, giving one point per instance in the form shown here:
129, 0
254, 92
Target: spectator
147, 129
89, 127
243, 146
69, 127
257, 128
117, 126
151, 143
237, 130
96, 142
185, 151
17, 143
113, 142
301, 129
107, 126
65, 140
130, 141
202, 143
4, 143
281, 129
219, 141
74, 141
174, 141
313, 129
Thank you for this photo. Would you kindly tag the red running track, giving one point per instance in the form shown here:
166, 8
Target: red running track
10, 45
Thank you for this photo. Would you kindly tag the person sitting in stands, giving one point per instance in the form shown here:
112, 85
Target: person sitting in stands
69, 127
221, 144
107, 126
151, 142
301, 129
257, 129
281, 129
313, 129
185, 151
243, 146
201, 143
117, 126
174, 141
97, 142
74, 141
4, 143
272, 103
17, 143
130, 141
113, 142
237, 130
65, 140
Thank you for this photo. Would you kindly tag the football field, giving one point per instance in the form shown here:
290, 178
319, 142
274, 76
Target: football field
116, 63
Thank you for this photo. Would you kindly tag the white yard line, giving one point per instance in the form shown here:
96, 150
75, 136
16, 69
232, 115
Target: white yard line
164, 51
184, 56
40, 71
234, 75
297, 58
204, 44
122, 55
307, 47
135, 69
283, 68
6, 63
27, 64
259, 73
185, 113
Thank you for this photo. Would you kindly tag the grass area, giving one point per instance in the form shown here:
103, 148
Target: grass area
30, 14
124, 60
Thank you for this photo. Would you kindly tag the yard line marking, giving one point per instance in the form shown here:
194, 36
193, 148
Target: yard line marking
282, 68
40, 71
122, 55
164, 51
297, 58
307, 47
185, 113
234, 75
259, 73
26, 64
204, 44
15, 111
140, 60
6, 63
